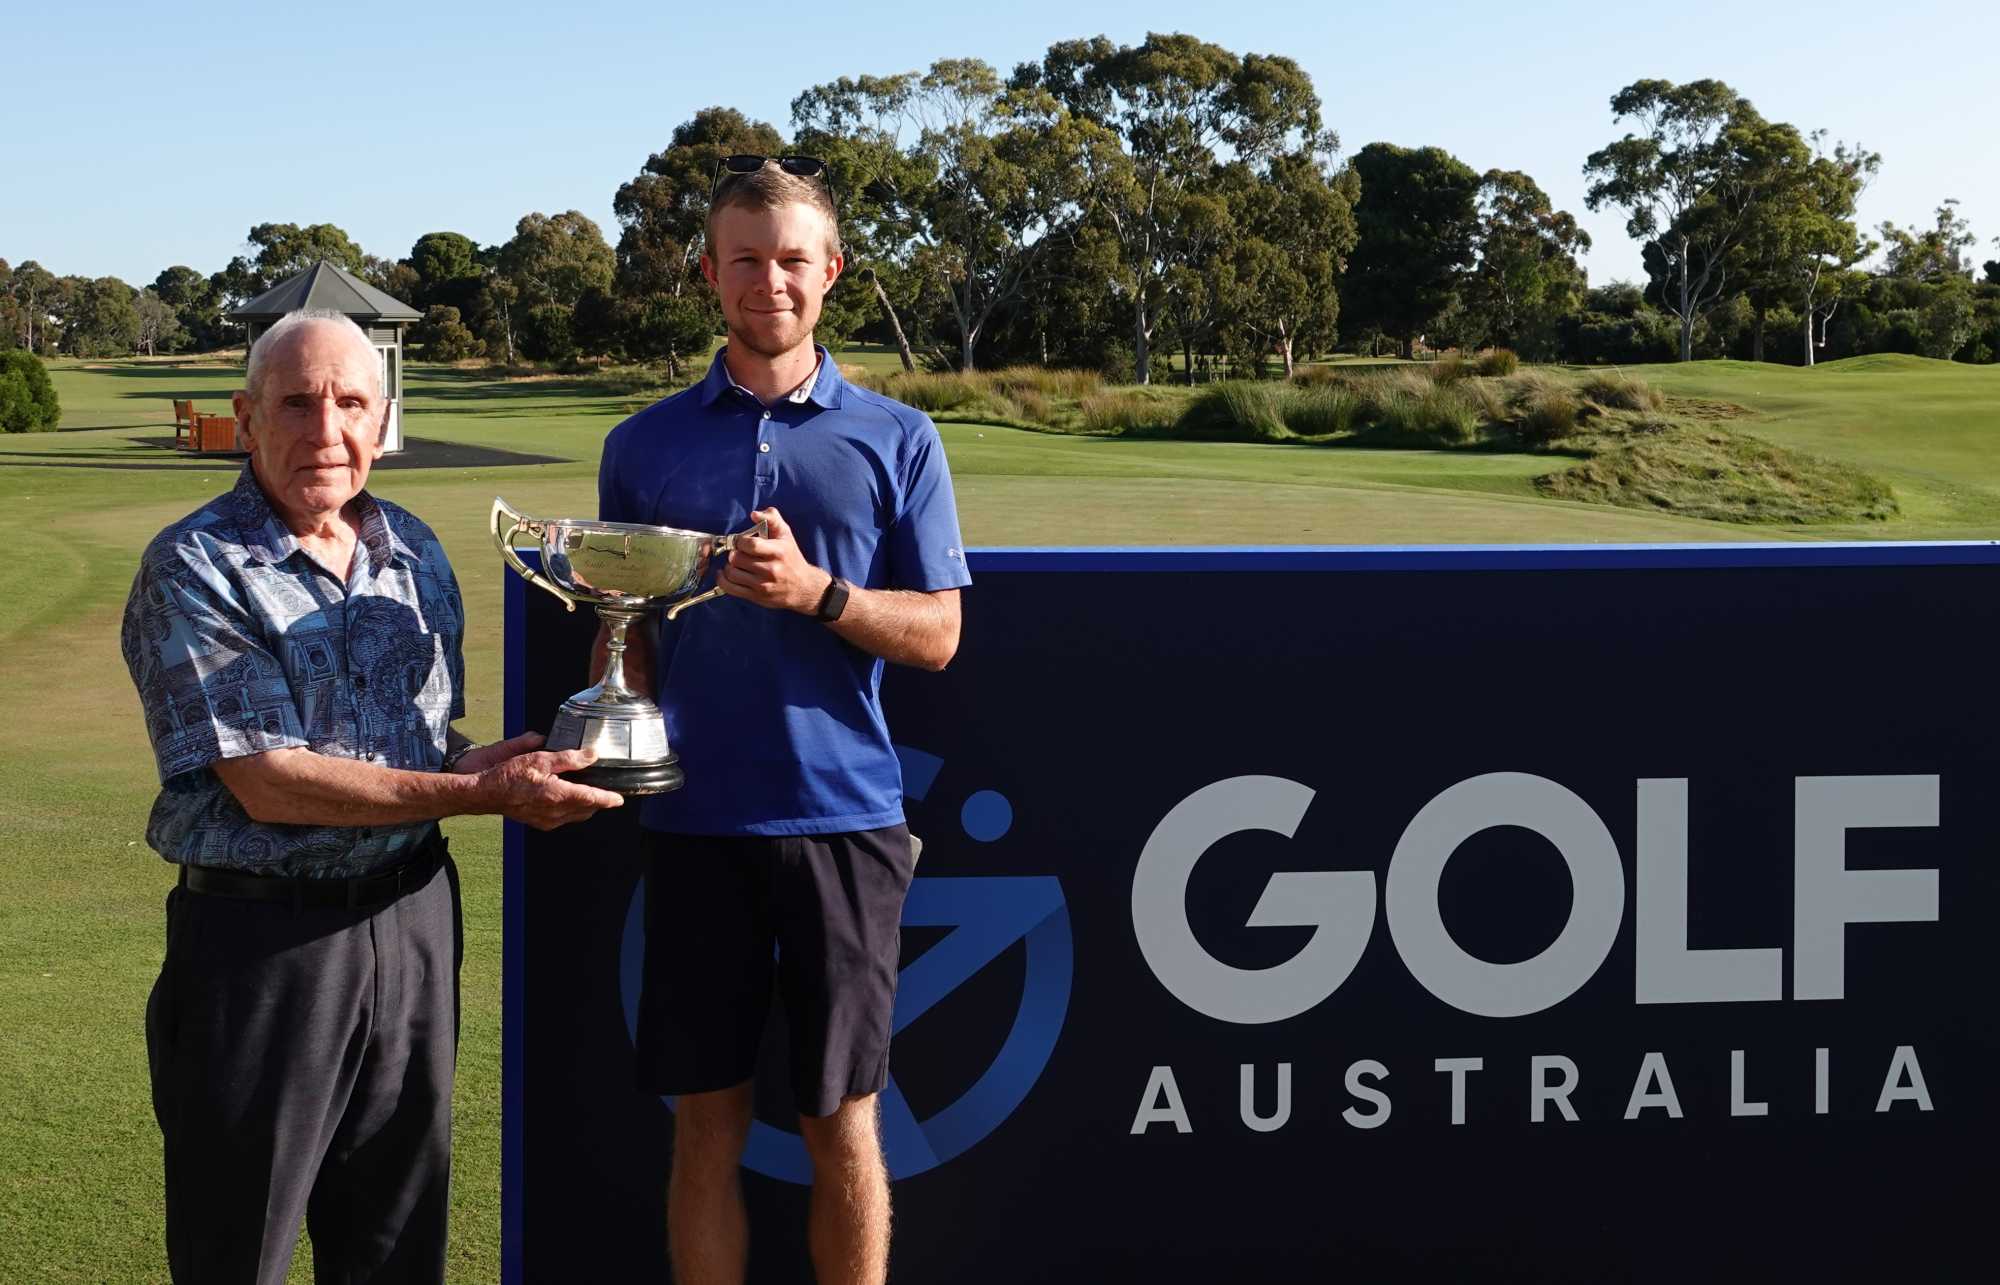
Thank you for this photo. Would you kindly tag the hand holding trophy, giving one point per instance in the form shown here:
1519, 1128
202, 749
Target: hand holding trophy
623, 570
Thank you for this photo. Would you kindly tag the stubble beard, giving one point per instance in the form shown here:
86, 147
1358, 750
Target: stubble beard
797, 333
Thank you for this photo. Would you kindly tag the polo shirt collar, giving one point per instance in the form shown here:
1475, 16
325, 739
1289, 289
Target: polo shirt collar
823, 390
266, 538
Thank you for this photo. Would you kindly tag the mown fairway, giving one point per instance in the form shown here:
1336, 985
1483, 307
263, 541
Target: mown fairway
80, 894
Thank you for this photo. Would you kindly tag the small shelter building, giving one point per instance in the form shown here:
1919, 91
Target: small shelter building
326, 286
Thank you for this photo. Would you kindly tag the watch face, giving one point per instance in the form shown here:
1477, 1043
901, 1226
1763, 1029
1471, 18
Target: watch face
834, 600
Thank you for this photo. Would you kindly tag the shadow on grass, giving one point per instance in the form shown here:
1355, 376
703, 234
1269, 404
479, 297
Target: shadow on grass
421, 452
98, 428
1365, 439
418, 452
80, 460
467, 385
154, 370
186, 395
620, 406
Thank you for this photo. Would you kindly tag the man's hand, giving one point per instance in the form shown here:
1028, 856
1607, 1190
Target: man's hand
477, 761
771, 571
524, 786
906, 626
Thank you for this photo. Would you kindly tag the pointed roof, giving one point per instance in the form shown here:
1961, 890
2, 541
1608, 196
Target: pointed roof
324, 285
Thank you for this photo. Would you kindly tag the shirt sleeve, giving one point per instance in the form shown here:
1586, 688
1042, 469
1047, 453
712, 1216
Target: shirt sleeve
454, 651
612, 505
925, 549
208, 686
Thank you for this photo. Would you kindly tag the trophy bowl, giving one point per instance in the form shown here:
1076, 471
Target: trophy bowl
622, 570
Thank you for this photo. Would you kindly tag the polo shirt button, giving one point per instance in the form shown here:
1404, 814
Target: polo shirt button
361, 682
767, 414
764, 447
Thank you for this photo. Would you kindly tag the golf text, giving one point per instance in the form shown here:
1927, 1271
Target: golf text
1340, 908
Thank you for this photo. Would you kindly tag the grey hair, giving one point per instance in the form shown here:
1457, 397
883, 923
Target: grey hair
260, 352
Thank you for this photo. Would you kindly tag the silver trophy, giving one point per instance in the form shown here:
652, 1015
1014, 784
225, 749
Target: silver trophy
623, 570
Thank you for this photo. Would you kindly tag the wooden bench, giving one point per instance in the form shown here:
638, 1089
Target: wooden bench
214, 434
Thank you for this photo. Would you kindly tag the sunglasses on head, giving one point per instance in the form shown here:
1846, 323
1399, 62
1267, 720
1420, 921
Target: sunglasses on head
750, 163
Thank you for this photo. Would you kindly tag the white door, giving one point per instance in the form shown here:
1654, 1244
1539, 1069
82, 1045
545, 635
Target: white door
392, 440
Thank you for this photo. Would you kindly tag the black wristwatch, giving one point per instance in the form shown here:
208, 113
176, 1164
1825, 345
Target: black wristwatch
832, 602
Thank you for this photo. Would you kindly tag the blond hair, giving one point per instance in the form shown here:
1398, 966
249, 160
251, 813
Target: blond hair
771, 188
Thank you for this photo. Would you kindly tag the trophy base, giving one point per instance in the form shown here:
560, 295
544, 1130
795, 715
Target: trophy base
632, 778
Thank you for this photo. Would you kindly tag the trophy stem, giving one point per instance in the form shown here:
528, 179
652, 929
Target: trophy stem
624, 727
616, 621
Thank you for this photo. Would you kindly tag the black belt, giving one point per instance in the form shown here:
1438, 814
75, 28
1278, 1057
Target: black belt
358, 893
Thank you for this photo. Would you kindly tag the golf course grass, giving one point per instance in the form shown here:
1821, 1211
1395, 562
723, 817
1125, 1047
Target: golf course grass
80, 894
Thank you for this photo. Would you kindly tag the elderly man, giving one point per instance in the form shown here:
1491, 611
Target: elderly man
296, 646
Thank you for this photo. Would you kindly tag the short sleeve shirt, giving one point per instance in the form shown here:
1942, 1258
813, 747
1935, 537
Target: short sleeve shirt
239, 643
777, 720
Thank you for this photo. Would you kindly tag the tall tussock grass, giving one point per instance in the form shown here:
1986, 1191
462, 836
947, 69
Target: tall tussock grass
1114, 412
928, 392
1320, 410
1452, 402
1615, 391
1236, 410
1012, 381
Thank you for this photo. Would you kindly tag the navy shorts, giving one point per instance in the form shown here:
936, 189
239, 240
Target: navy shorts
733, 920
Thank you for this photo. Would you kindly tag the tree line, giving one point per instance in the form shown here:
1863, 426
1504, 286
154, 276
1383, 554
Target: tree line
1166, 209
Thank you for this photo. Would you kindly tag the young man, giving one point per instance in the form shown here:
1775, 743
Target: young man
296, 646
789, 831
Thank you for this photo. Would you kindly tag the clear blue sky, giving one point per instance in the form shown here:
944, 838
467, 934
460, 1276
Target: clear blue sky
133, 137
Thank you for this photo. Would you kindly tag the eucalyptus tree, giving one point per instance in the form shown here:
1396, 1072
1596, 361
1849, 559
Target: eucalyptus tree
1934, 254
34, 288
663, 211
1525, 277
1416, 218
282, 250
99, 317
159, 327
1296, 228
854, 125
1803, 244
197, 306
1689, 184
445, 271
554, 258
1200, 294
968, 182
10, 321
1181, 107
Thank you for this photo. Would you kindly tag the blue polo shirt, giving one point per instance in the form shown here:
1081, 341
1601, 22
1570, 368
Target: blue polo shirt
777, 719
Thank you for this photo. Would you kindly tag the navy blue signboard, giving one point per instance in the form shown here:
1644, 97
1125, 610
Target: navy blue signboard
1458, 914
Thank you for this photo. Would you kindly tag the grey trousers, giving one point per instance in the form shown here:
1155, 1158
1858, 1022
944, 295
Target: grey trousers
302, 1065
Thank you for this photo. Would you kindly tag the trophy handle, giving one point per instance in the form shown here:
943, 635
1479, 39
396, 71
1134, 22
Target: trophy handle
723, 544
506, 523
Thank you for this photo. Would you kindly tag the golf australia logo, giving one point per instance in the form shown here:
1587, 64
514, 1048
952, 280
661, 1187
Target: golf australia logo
984, 916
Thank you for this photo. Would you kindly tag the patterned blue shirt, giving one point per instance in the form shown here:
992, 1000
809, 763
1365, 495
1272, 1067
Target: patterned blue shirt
239, 642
